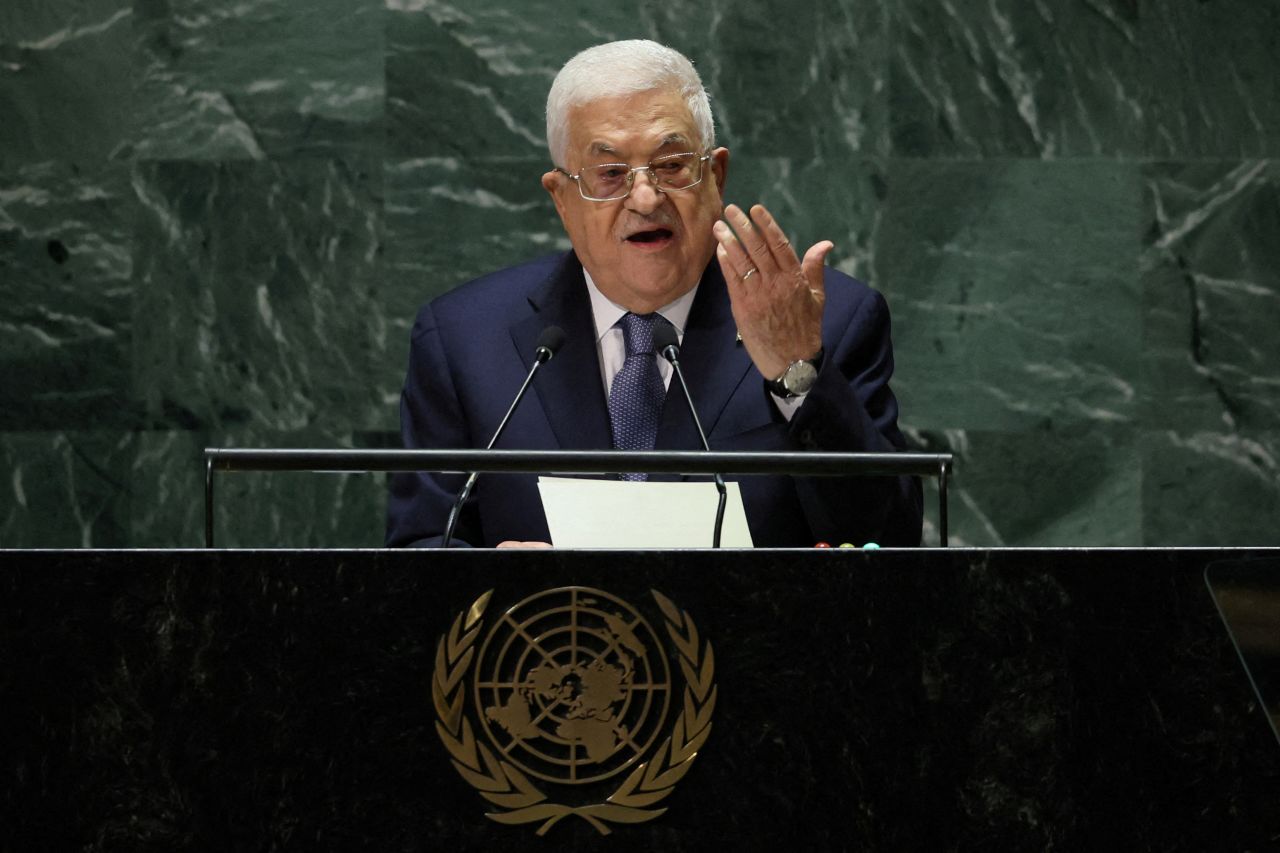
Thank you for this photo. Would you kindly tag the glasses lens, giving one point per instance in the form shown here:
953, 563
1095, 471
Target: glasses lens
613, 180
678, 171
605, 182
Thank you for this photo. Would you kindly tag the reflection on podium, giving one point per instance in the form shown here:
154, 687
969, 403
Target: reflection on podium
1247, 593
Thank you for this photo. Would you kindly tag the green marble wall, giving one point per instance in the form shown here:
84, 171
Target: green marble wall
217, 220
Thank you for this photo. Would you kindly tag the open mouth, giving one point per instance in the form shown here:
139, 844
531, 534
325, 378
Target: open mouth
652, 236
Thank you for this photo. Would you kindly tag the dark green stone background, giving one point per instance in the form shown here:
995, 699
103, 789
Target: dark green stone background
217, 220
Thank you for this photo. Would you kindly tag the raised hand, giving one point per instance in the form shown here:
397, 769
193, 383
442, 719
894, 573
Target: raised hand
776, 297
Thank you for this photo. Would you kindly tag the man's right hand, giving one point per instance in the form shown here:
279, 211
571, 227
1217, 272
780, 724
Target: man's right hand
512, 543
776, 297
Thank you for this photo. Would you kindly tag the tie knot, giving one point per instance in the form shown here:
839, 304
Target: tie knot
637, 332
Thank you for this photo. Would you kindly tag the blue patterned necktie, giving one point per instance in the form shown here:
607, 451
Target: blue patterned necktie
637, 392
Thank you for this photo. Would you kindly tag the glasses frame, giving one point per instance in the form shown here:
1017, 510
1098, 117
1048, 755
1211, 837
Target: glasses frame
631, 176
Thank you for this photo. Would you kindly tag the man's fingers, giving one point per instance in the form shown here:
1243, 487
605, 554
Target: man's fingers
776, 240
757, 245
814, 259
734, 261
751, 239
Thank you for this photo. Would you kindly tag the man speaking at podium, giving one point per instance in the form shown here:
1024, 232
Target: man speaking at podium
780, 353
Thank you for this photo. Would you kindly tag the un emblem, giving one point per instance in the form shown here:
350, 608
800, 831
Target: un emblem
571, 687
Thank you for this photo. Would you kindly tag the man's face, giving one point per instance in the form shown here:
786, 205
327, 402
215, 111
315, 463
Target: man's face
650, 248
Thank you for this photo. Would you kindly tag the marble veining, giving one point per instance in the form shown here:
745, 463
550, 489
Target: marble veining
1015, 78
1033, 321
1212, 89
65, 489
64, 78
1211, 279
65, 319
258, 79
237, 283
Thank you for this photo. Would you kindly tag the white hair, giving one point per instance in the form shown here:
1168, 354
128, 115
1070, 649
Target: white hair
624, 68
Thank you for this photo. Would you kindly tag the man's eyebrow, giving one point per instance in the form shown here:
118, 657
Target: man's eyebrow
602, 147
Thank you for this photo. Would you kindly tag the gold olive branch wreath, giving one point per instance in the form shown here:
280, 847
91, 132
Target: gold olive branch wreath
504, 785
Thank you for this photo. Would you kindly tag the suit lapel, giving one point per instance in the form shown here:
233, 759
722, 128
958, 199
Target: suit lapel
568, 386
714, 365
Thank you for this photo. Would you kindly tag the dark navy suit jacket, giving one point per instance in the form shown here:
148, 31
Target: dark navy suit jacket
473, 346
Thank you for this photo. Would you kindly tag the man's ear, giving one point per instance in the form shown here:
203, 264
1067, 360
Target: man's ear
720, 168
552, 182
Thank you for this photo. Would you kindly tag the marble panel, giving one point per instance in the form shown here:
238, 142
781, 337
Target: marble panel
65, 489
1009, 77
167, 478
64, 79
1071, 487
260, 78
65, 316
809, 81
1014, 290
449, 220
1211, 296
257, 295
465, 80
1212, 89
282, 509
840, 199
1211, 488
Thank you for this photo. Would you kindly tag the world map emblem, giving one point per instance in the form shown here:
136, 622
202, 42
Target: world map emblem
575, 706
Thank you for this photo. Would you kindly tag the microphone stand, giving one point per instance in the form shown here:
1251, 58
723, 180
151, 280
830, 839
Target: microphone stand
547, 346
671, 352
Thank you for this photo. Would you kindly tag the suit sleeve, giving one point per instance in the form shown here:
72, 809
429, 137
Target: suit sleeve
430, 417
852, 409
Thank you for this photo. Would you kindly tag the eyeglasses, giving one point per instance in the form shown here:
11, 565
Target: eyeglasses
613, 181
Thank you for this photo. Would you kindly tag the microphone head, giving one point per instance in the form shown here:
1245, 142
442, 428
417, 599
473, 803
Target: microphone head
549, 342
664, 338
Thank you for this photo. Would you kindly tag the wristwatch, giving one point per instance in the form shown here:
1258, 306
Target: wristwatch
798, 378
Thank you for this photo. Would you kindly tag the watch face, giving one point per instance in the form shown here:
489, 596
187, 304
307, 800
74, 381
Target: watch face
799, 377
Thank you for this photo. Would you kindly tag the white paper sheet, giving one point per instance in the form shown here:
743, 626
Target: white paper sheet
623, 514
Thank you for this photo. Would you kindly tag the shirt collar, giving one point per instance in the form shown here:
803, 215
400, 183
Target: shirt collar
607, 312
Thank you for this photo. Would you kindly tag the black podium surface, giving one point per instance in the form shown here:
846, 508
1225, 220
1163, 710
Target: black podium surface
888, 700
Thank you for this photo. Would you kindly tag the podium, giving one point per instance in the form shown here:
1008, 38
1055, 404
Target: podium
835, 700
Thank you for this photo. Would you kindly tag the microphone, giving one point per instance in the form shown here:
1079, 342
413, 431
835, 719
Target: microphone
667, 344
549, 343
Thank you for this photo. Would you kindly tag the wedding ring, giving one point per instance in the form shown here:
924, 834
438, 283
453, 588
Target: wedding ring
749, 273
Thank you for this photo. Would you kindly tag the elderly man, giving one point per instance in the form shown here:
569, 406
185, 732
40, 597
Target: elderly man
780, 353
